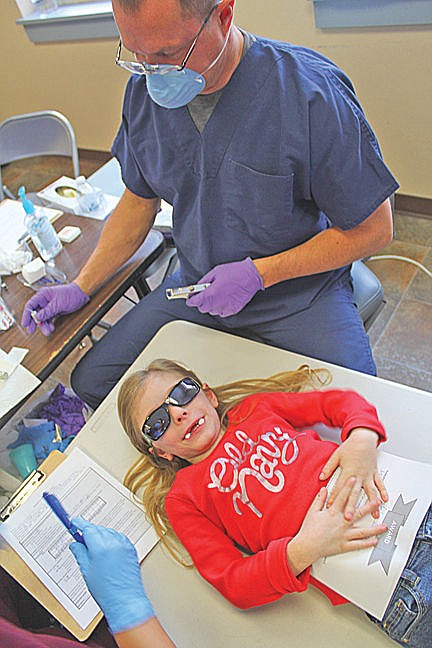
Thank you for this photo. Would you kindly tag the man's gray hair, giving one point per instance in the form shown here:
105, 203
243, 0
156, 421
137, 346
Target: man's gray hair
191, 7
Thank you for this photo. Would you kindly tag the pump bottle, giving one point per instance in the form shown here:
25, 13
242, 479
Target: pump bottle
40, 229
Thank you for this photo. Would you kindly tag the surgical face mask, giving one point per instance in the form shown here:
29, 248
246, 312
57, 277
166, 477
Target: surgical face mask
176, 88
172, 86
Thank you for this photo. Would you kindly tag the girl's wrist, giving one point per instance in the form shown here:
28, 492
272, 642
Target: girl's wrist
299, 556
364, 434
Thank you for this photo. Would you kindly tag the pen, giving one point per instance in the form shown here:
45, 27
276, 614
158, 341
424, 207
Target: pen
56, 507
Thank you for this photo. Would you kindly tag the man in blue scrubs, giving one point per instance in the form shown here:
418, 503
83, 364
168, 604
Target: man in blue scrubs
276, 180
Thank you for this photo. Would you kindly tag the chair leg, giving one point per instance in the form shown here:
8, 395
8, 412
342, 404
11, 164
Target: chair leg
171, 264
371, 319
141, 287
104, 325
132, 301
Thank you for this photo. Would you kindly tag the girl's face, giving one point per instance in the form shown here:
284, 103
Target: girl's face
195, 428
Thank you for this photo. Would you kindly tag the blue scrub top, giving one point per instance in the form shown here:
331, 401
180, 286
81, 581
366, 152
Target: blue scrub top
286, 153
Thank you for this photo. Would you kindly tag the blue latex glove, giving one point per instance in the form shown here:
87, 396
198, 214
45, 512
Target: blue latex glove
49, 302
232, 286
41, 436
109, 565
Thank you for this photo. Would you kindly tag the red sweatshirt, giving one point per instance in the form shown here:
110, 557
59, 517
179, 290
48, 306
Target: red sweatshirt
254, 490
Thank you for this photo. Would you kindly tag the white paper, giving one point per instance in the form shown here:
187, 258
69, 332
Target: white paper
86, 489
369, 577
17, 354
12, 222
19, 384
7, 366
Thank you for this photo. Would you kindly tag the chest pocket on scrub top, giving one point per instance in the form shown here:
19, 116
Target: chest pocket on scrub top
260, 206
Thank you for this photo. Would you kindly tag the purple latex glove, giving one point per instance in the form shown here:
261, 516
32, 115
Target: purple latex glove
67, 410
49, 302
232, 286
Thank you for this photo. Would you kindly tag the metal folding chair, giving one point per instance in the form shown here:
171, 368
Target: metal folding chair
46, 132
368, 292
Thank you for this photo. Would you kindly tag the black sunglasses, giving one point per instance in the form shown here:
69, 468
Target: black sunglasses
156, 423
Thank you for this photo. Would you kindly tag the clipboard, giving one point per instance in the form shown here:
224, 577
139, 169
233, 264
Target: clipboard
17, 568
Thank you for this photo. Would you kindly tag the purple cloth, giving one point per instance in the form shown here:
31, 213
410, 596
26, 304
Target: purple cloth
232, 287
61, 409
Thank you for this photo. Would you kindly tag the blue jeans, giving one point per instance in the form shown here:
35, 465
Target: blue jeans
408, 617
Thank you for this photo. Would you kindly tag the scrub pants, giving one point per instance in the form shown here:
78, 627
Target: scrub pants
24, 623
329, 329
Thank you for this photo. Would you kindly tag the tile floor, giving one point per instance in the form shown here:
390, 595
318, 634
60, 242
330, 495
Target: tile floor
401, 335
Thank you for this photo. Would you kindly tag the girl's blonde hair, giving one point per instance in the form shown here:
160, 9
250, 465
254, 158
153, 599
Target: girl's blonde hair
156, 474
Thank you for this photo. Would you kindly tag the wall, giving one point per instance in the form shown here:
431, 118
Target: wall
389, 68
78, 78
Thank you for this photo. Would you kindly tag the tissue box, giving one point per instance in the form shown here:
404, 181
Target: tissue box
34, 270
62, 193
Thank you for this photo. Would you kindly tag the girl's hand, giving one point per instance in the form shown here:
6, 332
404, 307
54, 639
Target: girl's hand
356, 457
326, 531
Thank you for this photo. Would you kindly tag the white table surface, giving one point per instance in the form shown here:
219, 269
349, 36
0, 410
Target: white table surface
192, 612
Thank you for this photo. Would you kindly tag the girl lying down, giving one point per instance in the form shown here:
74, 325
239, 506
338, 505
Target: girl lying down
238, 470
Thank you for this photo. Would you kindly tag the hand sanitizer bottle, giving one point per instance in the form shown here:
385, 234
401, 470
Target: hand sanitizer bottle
40, 229
90, 199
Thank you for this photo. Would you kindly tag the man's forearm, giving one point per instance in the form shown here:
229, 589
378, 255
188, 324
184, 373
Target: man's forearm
122, 235
330, 249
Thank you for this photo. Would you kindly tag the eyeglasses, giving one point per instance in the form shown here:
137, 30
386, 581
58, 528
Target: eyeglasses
145, 68
156, 423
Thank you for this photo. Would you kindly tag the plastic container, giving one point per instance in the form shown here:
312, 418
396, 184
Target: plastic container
52, 276
40, 229
24, 460
90, 199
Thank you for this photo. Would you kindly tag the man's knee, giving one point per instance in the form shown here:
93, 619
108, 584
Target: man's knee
83, 382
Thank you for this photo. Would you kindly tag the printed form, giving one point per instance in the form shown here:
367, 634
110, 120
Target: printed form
369, 577
85, 489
